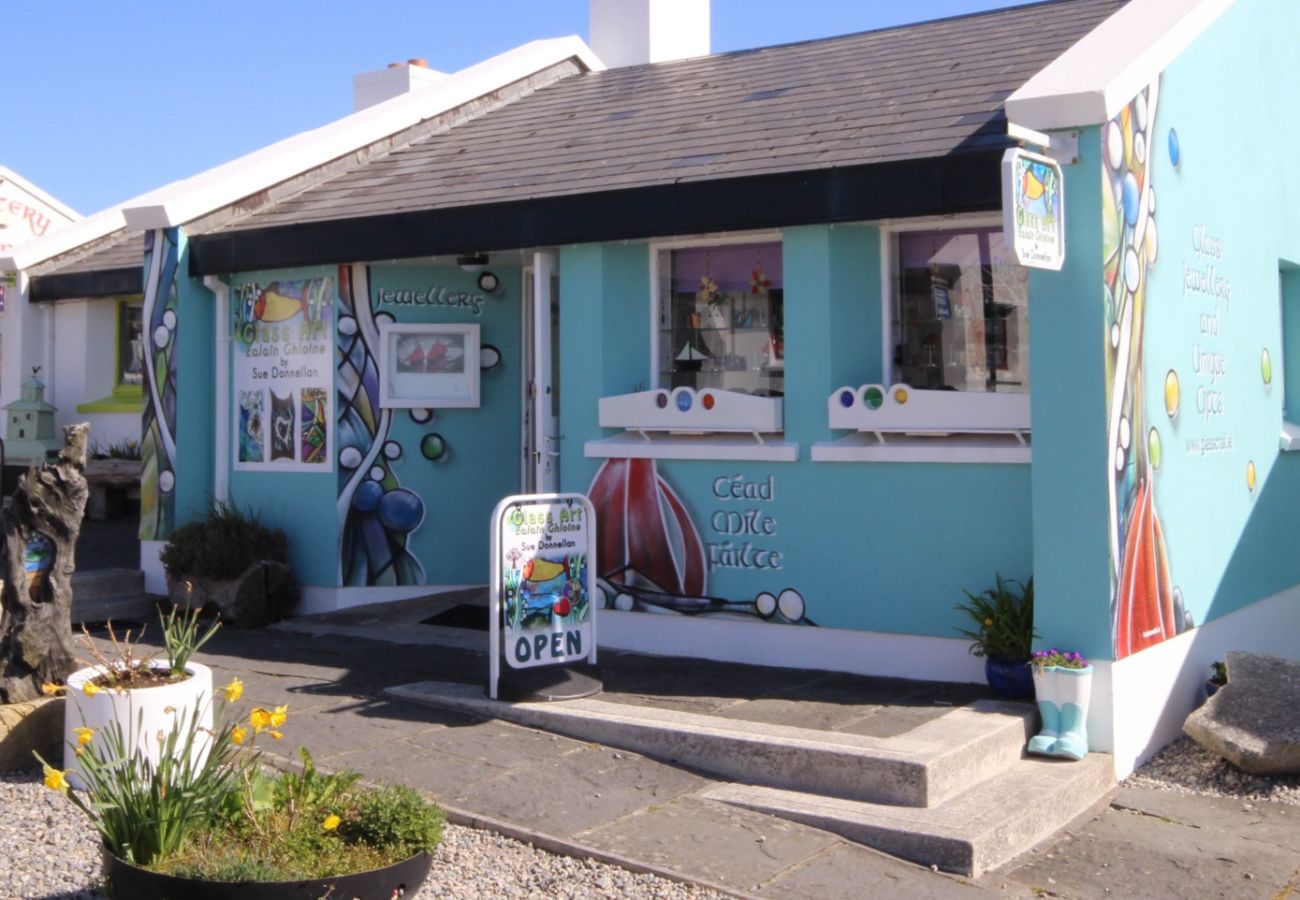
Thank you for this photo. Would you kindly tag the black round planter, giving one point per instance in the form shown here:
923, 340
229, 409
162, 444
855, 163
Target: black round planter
135, 883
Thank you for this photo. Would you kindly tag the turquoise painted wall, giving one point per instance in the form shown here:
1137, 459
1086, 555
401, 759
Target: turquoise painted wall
885, 547
195, 375
301, 503
482, 460
1229, 224
1068, 410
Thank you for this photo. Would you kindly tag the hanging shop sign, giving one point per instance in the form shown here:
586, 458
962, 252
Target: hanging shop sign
1033, 209
543, 582
283, 375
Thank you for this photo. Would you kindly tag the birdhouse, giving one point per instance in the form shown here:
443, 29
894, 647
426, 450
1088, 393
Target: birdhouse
29, 425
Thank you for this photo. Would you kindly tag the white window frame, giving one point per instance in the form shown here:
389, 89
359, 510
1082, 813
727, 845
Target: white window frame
643, 437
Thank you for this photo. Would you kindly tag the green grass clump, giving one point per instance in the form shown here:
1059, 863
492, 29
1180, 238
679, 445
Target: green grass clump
223, 544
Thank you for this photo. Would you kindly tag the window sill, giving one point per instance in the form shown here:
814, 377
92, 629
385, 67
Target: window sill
658, 445
906, 448
709, 411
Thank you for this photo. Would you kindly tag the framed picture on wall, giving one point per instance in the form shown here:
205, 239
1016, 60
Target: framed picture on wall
428, 366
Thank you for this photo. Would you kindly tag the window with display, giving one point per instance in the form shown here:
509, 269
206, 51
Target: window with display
960, 317
720, 318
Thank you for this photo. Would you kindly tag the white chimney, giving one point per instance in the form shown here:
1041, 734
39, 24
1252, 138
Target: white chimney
632, 32
369, 88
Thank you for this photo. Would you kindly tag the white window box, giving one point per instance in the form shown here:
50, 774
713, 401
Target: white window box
687, 424
902, 424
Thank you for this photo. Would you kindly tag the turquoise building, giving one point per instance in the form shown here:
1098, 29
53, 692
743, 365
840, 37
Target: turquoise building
759, 307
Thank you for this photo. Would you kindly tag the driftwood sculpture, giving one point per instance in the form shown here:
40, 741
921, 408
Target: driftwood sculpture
40, 531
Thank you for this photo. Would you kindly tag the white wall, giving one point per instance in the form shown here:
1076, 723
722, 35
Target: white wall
79, 360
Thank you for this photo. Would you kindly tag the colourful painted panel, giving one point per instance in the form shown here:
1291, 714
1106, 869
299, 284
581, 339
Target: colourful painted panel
158, 427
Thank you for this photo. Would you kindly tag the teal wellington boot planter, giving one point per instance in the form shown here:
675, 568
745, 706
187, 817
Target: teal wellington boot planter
1063, 695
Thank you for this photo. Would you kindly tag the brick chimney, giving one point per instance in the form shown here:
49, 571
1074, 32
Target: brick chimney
632, 32
370, 88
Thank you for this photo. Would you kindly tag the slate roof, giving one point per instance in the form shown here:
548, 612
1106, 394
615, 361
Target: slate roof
122, 250
109, 267
928, 90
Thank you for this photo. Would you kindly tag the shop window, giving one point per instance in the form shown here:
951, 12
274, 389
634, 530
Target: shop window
956, 367
718, 358
720, 318
960, 313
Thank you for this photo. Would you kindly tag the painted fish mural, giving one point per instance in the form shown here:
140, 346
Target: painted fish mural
545, 592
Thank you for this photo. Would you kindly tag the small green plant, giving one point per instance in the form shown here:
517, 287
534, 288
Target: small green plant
182, 638
117, 450
1004, 619
223, 544
1061, 659
398, 817
1219, 670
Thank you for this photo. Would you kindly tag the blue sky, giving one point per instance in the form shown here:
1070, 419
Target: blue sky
106, 100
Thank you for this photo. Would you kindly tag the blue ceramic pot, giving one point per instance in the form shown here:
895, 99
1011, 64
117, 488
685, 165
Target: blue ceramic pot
1010, 678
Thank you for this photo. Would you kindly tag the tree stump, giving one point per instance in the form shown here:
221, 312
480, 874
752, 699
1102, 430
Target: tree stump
40, 529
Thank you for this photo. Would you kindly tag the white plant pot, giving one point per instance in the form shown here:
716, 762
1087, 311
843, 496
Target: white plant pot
141, 713
1062, 696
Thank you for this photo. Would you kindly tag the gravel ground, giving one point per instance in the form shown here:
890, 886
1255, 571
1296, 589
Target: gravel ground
1184, 767
49, 851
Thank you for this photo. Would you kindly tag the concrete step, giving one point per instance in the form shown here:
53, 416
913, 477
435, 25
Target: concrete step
980, 829
921, 767
99, 595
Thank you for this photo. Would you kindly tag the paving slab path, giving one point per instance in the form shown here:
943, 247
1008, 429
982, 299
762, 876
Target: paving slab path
585, 799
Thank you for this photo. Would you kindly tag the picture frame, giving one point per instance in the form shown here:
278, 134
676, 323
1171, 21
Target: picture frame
428, 366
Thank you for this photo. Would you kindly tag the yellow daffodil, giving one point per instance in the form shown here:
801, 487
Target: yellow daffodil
331, 822
260, 719
234, 690
275, 734
79, 750
84, 735
90, 689
238, 735
277, 718
54, 780
50, 690
988, 621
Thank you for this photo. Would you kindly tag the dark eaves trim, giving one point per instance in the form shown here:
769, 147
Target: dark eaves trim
80, 285
958, 183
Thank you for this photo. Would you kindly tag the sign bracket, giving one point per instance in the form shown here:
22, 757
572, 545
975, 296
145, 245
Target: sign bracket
1062, 146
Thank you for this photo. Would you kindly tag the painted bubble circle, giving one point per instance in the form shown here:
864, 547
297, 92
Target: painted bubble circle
489, 357
707, 401
385, 317
433, 446
1132, 198
1120, 459
846, 399
393, 450
1266, 366
900, 396
624, 602
791, 604
1152, 241
1171, 393
350, 457
1114, 335
1114, 146
765, 604
1132, 270
1139, 148
161, 336
1154, 450
401, 510
873, 397
1175, 151
169, 319
661, 400
684, 401
1125, 432
367, 496
1140, 111
1151, 200
166, 481
420, 416
378, 473
1250, 476
347, 325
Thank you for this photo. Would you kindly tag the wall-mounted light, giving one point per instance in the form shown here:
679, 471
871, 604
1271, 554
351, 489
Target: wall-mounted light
473, 262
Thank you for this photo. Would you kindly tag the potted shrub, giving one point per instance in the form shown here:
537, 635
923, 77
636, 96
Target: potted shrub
1063, 686
140, 695
231, 562
1003, 616
1218, 677
216, 825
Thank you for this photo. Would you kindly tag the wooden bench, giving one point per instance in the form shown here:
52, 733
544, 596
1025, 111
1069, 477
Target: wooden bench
111, 482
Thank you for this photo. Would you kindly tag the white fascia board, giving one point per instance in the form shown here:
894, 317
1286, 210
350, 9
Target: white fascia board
64, 239
186, 200
7, 174
1092, 81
